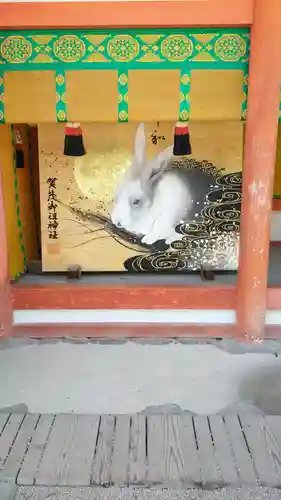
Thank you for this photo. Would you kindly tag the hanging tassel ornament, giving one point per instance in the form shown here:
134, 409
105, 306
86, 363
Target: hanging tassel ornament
182, 145
18, 148
73, 140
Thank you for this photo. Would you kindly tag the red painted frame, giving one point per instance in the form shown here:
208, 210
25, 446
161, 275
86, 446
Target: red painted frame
122, 297
64, 296
127, 331
117, 15
122, 14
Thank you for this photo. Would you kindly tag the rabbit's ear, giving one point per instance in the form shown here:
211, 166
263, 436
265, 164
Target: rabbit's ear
159, 163
164, 157
140, 145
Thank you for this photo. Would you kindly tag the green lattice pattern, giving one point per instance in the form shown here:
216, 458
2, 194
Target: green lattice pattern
61, 112
245, 92
133, 48
184, 95
2, 119
123, 109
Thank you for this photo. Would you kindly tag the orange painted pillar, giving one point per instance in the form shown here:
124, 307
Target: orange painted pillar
258, 168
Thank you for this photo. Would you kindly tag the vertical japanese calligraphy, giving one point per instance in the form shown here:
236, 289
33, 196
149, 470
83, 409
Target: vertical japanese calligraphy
52, 209
154, 137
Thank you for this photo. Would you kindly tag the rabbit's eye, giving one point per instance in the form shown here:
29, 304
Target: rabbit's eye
136, 202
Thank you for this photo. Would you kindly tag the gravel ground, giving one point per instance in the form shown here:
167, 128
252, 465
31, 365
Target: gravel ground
41, 493
128, 378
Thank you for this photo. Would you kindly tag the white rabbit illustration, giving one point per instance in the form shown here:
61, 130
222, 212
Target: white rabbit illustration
150, 201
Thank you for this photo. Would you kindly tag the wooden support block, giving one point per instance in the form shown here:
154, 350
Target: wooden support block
74, 272
34, 267
207, 274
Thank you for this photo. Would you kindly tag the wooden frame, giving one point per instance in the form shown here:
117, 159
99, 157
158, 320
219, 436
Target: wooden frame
118, 332
258, 168
180, 13
61, 296
123, 297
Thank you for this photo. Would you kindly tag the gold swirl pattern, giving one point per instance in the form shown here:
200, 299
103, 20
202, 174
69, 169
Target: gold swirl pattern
160, 261
210, 241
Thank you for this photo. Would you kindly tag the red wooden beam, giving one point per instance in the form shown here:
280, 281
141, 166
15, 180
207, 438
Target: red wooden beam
131, 297
127, 331
259, 167
78, 296
276, 202
114, 14
123, 331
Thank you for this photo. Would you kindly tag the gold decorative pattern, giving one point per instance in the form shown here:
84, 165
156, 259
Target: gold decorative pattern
184, 115
149, 57
61, 116
177, 47
42, 39
69, 48
16, 49
185, 79
123, 48
42, 58
96, 57
182, 49
230, 47
123, 79
150, 39
60, 79
123, 116
96, 39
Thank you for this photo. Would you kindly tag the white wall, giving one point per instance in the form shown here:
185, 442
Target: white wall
275, 232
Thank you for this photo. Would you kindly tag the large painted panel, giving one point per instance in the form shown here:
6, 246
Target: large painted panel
130, 205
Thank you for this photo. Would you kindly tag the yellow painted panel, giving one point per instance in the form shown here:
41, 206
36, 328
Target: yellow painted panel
30, 96
92, 95
16, 258
277, 179
27, 216
216, 94
154, 95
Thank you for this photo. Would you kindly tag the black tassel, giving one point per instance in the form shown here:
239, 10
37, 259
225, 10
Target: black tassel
73, 140
19, 158
182, 144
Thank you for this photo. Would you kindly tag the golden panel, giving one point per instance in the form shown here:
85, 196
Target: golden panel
26, 202
30, 96
154, 95
92, 95
216, 94
16, 264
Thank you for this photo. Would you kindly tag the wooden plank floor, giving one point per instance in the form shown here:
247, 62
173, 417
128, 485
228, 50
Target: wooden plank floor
155, 450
